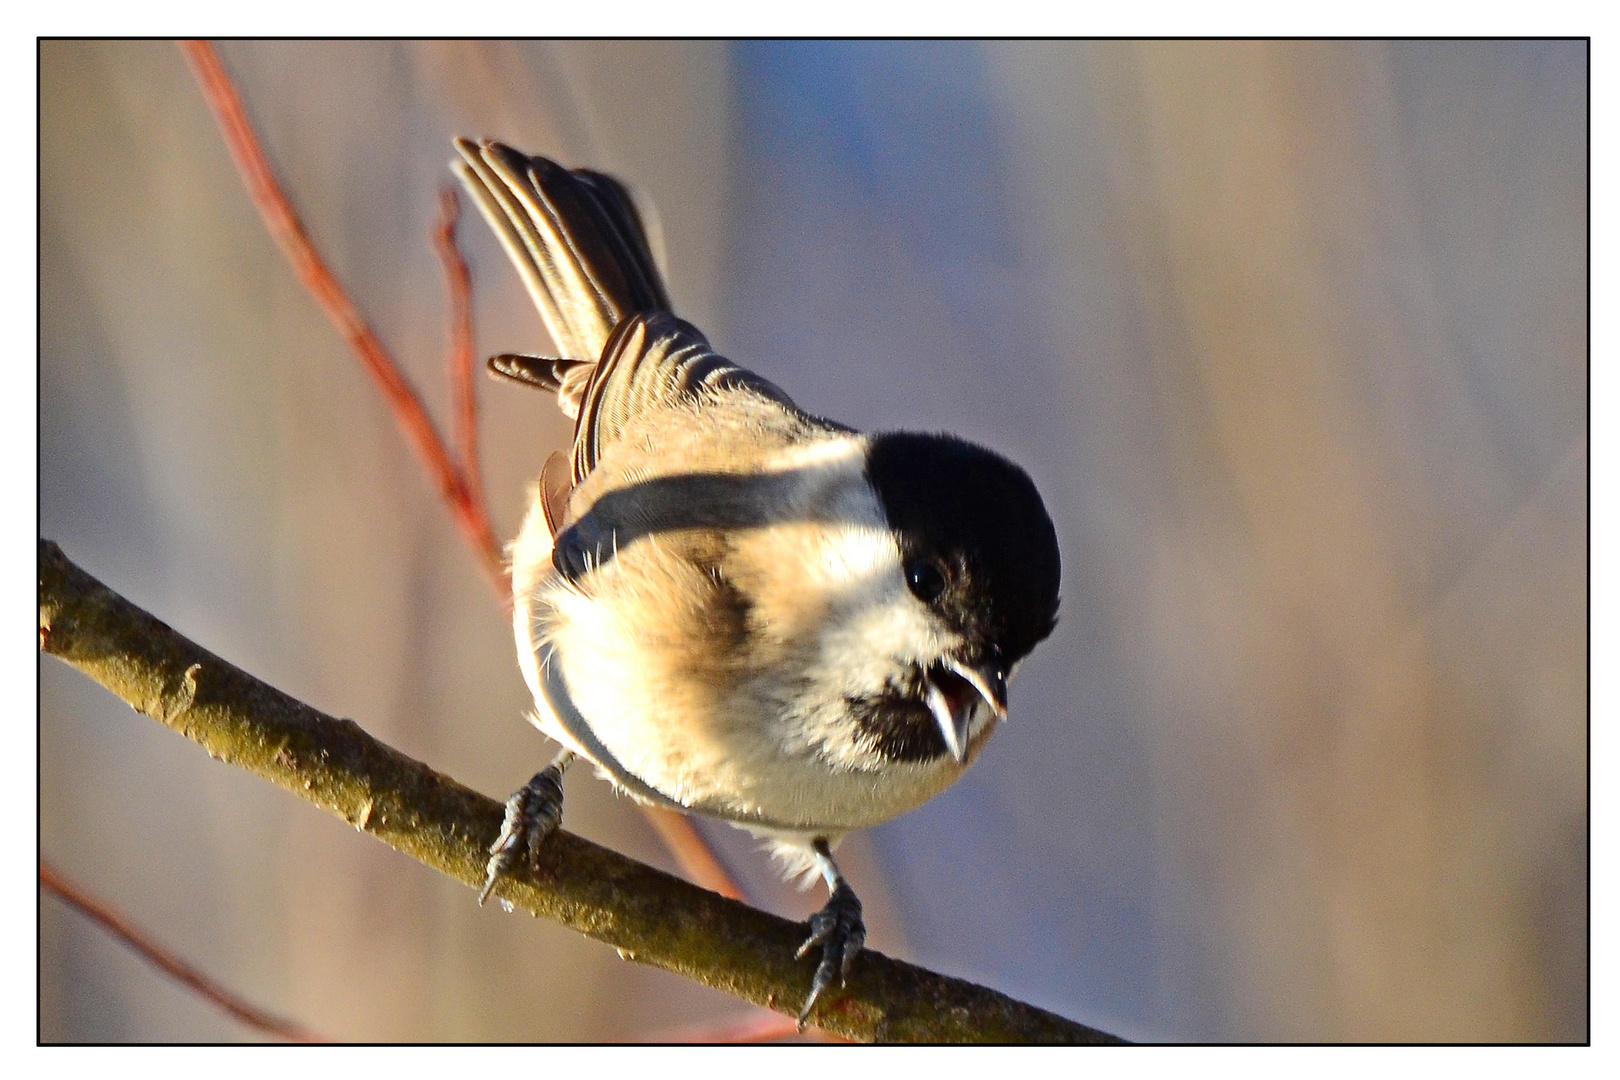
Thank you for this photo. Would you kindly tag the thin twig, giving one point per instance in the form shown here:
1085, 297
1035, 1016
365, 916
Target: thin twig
317, 277
649, 916
758, 1027
692, 851
458, 290
461, 487
121, 928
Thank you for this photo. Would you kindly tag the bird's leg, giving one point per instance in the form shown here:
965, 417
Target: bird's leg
533, 814
837, 928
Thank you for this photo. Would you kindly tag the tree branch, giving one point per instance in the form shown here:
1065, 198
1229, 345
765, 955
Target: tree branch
650, 916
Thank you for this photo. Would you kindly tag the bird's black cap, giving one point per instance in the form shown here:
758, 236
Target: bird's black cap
972, 526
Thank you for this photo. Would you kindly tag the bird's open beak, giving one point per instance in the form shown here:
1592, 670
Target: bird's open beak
953, 690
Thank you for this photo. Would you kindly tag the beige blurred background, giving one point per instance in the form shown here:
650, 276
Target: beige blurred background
1292, 337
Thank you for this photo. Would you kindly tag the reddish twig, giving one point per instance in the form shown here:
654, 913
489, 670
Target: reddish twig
316, 276
458, 289
160, 958
760, 1027
461, 487
692, 851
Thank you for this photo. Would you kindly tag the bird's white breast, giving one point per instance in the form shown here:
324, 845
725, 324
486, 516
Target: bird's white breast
744, 723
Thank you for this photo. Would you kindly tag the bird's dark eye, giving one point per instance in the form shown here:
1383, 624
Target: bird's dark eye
926, 579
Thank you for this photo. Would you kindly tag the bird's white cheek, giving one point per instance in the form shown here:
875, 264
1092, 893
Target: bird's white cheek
857, 560
873, 627
881, 636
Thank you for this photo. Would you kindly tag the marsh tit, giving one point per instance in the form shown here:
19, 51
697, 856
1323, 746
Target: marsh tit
727, 605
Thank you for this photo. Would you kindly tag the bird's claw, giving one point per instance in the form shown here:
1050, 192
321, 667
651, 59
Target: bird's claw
838, 929
532, 814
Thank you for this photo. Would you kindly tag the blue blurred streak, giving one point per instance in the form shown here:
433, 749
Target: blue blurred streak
877, 273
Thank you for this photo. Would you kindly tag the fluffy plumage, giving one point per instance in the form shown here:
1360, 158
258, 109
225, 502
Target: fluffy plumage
742, 610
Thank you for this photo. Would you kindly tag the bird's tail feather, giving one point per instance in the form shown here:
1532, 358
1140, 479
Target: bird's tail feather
575, 237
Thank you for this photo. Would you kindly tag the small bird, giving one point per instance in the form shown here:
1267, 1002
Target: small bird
731, 607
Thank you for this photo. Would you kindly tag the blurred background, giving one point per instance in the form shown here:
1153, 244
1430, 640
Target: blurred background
1291, 336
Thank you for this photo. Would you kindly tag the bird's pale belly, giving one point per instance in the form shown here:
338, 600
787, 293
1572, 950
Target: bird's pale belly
665, 736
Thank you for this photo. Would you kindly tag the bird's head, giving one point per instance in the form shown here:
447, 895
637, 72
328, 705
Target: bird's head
979, 561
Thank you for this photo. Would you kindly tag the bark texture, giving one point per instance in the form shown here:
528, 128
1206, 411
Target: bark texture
649, 916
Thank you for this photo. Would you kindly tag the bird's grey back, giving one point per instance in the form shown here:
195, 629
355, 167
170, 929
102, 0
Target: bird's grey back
653, 361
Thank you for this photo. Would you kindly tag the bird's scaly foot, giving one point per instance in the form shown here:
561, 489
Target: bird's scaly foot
838, 929
532, 814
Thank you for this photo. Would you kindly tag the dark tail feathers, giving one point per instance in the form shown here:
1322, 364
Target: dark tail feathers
575, 238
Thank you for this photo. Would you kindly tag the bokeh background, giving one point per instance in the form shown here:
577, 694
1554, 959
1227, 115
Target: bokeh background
1291, 336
